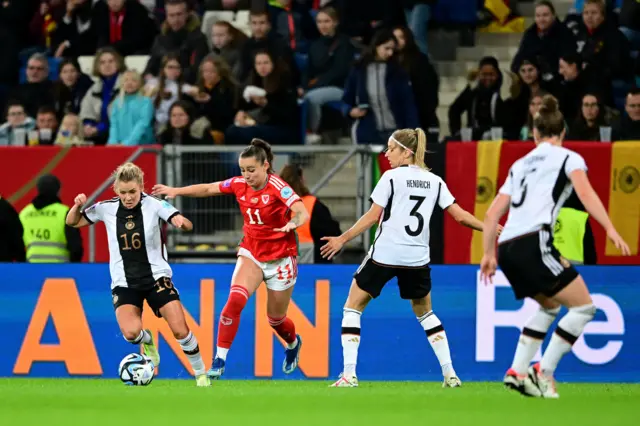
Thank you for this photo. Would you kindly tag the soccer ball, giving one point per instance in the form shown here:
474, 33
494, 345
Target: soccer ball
136, 370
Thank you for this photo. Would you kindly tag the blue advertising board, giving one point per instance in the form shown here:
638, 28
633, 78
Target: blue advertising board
58, 321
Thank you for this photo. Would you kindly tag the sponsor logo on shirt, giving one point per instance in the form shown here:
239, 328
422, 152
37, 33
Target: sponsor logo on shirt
254, 200
286, 192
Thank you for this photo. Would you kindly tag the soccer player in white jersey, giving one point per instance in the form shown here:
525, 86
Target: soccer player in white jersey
537, 186
137, 262
402, 203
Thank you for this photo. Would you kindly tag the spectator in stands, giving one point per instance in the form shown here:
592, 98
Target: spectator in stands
167, 88
70, 132
530, 75
70, 88
630, 123
573, 85
125, 25
17, 119
47, 125
262, 38
216, 100
76, 34
604, 49
180, 34
594, 114
363, 18
11, 233
37, 90
45, 22
269, 106
330, 58
545, 42
320, 224
227, 42
424, 78
179, 130
418, 13
629, 19
480, 100
131, 116
227, 4
94, 109
295, 25
378, 94
526, 134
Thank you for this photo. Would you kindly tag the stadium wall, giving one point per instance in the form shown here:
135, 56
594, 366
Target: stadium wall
58, 321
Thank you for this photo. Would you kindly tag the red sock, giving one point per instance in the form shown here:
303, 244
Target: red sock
285, 328
230, 316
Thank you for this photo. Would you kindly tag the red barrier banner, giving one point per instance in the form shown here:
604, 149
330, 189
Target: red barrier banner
476, 170
80, 170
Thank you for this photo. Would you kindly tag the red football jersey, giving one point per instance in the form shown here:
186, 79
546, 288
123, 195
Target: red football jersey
264, 211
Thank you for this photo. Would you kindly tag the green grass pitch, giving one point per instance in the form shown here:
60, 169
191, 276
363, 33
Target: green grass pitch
307, 403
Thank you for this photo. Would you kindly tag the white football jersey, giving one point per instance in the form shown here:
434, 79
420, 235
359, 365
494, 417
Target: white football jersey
137, 254
408, 195
538, 185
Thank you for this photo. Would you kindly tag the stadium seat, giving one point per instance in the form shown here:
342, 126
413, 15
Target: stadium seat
136, 62
241, 18
86, 64
302, 61
212, 16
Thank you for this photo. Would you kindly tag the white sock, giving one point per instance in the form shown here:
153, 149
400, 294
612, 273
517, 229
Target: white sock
567, 332
143, 337
222, 353
438, 341
531, 338
191, 349
350, 340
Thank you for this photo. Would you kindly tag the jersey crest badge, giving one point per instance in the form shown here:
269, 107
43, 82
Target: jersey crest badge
166, 205
286, 192
265, 198
129, 225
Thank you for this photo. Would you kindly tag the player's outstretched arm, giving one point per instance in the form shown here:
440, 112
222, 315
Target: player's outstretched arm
74, 216
498, 208
464, 218
200, 190
595, 208
335, 244
182, 222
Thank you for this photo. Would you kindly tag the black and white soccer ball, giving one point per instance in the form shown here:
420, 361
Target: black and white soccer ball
136, 370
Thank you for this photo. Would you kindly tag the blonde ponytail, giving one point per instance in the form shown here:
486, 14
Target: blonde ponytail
421, 149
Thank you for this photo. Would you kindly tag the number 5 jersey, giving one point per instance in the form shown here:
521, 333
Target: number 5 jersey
265, 210
408, 195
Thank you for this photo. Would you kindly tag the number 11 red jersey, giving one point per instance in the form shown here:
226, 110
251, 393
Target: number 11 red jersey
265, 210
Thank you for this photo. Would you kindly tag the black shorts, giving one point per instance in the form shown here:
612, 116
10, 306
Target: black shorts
534, 266
157, 296
414, 283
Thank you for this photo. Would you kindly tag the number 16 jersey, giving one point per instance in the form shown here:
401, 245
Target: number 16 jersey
265, 210
408, 195
538, 185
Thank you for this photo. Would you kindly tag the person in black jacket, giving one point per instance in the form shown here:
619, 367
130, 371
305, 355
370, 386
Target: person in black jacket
330, 59
321, 223
11, 242
76, 34
629, 19
630, 123
546, 41
37, 90
70, 88
424, 78
572, 86
125, 25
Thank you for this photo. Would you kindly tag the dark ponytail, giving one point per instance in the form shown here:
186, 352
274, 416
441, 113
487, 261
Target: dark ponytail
261, 151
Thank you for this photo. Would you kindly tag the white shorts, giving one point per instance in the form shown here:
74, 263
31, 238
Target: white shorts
279, 274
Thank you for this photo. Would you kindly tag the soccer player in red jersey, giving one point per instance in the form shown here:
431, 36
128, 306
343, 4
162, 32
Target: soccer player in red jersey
268, 250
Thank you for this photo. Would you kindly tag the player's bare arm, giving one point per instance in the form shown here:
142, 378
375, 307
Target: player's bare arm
498, 208
594, 207
300, 216
464, 218
74, 216
335, 244
199, 191
182, 222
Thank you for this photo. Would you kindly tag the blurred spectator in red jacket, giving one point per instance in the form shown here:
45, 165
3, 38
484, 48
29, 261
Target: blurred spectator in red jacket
125, 25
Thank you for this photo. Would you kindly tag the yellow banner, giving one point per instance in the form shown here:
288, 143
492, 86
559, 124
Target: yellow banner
487, 164
624, 195
498, 8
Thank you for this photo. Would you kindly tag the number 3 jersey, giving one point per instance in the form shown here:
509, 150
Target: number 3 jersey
265, 210
137, 254
538, 185
408, 195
